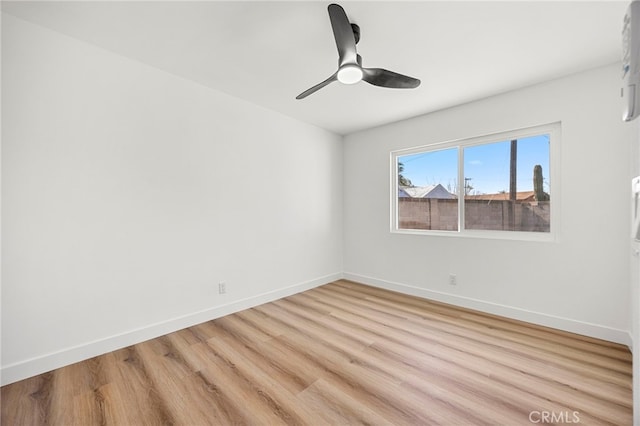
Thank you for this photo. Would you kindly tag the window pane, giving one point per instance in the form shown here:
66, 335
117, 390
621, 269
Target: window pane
507, 185
427, 187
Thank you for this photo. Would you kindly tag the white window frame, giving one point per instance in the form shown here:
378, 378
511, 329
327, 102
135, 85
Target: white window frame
553, 130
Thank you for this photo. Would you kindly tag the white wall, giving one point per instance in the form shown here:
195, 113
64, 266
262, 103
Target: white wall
635, 329
635, 326
634, 300
579, 283
129, 193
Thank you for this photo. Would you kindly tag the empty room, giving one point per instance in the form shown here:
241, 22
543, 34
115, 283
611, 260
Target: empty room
299, 212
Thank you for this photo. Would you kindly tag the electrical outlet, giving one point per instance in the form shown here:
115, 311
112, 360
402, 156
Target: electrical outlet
453, 279
222, 287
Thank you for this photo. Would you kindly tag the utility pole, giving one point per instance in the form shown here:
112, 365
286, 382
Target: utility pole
467, 186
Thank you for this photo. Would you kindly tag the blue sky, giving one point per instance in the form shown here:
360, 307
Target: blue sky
487, 166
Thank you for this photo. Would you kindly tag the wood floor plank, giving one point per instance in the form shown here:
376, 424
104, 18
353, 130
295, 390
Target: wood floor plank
280, 400
342, 353
27, 402
489, 324
598, 360
442, 385
136, 400
188, 397
338, 408
452, 336
461, 315
502, 364
244, 398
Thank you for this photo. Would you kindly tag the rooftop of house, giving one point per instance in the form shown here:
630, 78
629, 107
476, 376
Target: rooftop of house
503, 196
429, 191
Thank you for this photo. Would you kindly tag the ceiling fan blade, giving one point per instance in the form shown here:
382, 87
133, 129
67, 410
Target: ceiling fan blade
343, 33
385, 78
317, 87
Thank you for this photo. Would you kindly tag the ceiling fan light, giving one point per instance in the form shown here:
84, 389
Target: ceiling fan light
350, 74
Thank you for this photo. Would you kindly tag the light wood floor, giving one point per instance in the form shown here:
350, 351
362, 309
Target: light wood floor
339, 354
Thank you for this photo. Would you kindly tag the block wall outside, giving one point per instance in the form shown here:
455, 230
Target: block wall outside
441, 214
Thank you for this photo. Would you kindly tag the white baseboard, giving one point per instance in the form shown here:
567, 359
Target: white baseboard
565, 324
41, 364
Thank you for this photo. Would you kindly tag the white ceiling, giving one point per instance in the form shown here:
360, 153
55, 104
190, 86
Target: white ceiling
268, 52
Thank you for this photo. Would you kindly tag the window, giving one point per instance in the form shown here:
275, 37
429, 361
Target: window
493, 186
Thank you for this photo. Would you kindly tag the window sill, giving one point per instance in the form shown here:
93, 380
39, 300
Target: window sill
549, 237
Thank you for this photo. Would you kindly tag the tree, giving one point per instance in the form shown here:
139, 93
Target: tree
402, 181
513, 173
538, 184
513, 179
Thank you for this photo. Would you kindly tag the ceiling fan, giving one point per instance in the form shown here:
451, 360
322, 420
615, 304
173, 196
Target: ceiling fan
350, 69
